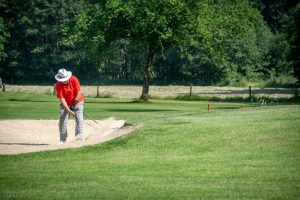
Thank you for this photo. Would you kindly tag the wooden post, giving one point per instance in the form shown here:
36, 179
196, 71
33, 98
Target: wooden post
3, 87
191, 89
98, 93
296, 93
250, 93
54, 89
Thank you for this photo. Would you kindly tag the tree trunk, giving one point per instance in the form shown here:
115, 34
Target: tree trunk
147, 73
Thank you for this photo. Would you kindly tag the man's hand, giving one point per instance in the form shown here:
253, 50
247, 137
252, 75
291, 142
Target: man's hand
71, 112
65, 106
73, 106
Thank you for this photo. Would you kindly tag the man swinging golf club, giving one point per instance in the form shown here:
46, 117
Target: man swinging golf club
71, 99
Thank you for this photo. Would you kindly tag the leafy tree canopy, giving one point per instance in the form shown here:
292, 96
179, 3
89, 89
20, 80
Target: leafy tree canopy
153, 25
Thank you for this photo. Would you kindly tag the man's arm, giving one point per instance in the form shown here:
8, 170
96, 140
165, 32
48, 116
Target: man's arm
78, 95
65, 105
75, 101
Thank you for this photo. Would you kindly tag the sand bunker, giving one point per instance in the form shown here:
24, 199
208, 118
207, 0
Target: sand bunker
24, 136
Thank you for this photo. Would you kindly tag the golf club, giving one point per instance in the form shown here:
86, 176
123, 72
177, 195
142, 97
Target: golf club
91, 118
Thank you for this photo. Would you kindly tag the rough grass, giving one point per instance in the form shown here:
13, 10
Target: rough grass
182, 152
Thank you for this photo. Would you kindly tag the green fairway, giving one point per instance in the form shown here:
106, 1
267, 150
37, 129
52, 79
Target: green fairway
182, 151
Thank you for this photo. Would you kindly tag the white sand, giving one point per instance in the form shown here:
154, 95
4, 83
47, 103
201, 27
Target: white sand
24, 136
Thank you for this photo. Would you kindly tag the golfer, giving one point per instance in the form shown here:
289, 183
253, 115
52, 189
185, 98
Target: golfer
71, 103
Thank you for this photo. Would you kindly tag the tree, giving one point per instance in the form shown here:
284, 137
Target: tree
293, 33
151, 24
283, 18
4, 35
36, 49
233, 43
120, 62
275, 11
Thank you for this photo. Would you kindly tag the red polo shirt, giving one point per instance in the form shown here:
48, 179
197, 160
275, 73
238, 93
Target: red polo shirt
69, 91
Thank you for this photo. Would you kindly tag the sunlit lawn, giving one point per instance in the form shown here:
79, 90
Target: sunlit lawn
182, 151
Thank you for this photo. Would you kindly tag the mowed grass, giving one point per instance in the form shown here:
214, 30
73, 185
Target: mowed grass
182, 152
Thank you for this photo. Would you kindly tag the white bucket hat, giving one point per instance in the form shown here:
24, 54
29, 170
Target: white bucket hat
63, 75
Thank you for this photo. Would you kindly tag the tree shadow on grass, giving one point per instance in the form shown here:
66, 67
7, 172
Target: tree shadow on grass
134, 101
138, 110
257, 91
29, 100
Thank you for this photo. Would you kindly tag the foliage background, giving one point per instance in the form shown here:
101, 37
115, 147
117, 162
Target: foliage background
234, 41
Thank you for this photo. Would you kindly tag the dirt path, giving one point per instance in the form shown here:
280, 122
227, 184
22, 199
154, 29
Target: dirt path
24, 136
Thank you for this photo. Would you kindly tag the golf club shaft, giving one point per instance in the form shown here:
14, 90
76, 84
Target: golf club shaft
91, 118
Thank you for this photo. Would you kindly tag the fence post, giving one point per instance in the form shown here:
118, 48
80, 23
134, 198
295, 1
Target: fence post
250, 93
3, 87
191, 89
54, 89
296, 93
98, 93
